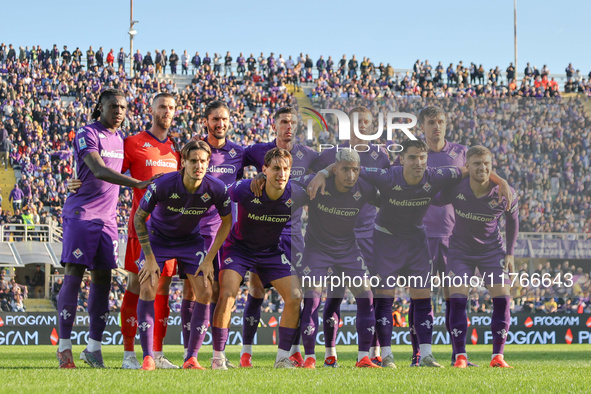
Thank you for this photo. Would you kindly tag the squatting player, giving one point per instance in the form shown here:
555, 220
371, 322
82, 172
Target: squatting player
476, 242
284, 124
90, 226
176, 202
254, 244
331, 249
374, 158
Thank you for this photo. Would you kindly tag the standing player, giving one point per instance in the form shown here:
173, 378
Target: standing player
284, 124
476, 242
177, 201
331, 249
254, 243
146, 154
374, 158
90, 226
225, 164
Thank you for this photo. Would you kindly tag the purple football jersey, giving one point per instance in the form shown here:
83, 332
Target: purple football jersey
439, 220
96, 200
374, 158
332, 216
404, 206
302, 156
175, 213
261, 220
476, 227
225, 164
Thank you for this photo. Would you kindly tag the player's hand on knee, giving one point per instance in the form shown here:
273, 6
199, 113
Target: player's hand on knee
74, 184
206, 267
257, 184
149, 271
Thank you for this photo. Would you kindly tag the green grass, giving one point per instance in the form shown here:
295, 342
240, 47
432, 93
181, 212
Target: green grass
564, 368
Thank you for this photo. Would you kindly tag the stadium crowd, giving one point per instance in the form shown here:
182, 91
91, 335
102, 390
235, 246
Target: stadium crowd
541, 146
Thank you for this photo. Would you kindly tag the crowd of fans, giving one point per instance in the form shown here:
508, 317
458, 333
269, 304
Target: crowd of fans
541, 145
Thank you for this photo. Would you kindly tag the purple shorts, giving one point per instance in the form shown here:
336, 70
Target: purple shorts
439, 248
188, 254
491, 266
268, 266
209, 238
317, 264
366, 247
90, 244
401, 261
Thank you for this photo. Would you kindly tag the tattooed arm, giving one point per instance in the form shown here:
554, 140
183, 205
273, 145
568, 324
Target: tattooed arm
150, 269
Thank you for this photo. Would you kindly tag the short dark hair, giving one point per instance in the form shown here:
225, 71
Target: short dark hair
430, 112
478, 150
163, 95
277, 153
213, 105
419, 144
284, 110
105, 94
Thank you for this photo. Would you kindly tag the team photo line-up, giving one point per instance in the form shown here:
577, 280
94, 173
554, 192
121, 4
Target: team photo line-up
433, 213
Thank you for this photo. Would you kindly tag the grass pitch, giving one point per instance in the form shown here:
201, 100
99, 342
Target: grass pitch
564, 368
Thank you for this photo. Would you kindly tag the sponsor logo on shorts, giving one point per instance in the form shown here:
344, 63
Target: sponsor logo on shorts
228, 261
77, 253
147, 145
427, 187
206, 197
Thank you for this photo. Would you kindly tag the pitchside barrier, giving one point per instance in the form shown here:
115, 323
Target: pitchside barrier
41, 329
